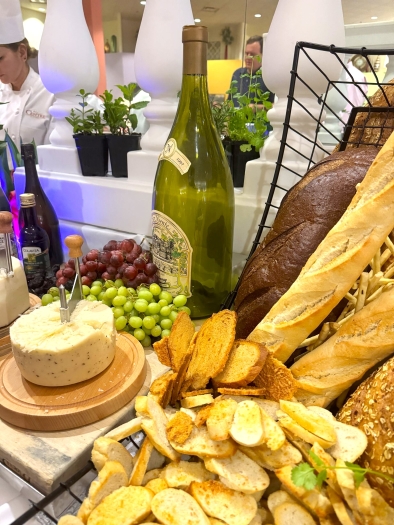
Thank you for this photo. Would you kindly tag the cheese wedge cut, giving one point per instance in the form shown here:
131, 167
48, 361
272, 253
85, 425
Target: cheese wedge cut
50, 353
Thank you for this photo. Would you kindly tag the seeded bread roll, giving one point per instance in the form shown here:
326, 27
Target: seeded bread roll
307, 213
370, 409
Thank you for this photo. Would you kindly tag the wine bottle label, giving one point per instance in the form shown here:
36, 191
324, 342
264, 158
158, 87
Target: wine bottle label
175, 156
36, 262
172, 254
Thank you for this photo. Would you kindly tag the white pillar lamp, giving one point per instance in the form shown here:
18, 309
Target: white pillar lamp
68, 63
317, 21
158, 69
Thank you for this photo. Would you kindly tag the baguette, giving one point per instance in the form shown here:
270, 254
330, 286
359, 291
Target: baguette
337, 262
366, 339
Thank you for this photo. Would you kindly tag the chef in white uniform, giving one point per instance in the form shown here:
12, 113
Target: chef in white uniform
26, 114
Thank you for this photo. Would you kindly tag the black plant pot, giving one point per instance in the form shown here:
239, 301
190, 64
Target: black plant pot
93, 154
119, 146
237, 160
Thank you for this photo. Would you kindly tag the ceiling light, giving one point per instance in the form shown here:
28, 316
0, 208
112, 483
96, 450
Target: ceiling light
42, 9
143, 2
197, 20
38, 1
257, 15
374, 17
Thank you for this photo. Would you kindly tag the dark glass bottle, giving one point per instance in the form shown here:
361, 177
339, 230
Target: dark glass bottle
46, 215
34, 246
5, 206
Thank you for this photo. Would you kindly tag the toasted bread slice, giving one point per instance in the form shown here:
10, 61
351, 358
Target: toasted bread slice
220, 502
163, 351
111, 477
172, 506
246, 391
125, 430
70, 520
291, 513
105, 449
276, 380
343, 514
179, 428
244, 363
328, 461
274, 436
125, 505
351, 441
155, 428
309, 420
278, 498
273, 459
197, 392
373, 506
247, 426
151, 474
201, 445
161, 388
202, 415
289, 424
179, 475
239, 473
268, 405
141, 462
315, 500
156, 485
211, 348
181, 374
220, 419
141, 405
182, 332
197, 401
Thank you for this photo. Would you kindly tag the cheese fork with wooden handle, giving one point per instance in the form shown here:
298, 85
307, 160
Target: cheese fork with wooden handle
74, 244
5, 252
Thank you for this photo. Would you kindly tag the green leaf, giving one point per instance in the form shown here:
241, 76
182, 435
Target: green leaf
358, 473
304, 476
316, 459
321, 477
139, 105
15, 155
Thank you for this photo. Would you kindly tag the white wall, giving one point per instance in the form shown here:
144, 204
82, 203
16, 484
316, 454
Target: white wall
370, 35
235, 49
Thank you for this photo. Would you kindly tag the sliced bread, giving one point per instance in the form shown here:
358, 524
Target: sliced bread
125, 430
163, 351
176, 507
180, 474
69, 520
245, 391
141, 463
218, 501
211, 349
291, 514
161, 388
239, 473
125, 505
200, 444
197, 401
179, 427
105, 449
245, 362
156, 485
182, 332
220, 419
276, 379
247, 427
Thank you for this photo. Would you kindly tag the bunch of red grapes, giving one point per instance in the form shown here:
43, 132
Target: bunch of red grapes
124, 260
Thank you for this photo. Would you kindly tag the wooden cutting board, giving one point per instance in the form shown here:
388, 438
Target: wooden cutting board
35, 407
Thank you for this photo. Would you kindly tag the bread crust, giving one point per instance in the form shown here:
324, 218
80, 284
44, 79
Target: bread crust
337, 262
370, 409
307, 213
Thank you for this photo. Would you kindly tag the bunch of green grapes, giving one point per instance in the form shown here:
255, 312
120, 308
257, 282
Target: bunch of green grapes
146, 313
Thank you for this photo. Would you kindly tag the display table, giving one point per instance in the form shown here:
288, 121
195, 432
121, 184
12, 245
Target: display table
45, 459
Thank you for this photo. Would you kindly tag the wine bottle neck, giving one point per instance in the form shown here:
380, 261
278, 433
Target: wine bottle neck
194, 94
32, 180
29, 216
195, 58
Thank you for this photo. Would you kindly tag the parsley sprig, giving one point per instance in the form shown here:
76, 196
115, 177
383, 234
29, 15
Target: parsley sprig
303, 475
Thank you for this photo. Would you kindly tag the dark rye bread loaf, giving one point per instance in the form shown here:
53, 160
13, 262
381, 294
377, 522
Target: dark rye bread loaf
307, 213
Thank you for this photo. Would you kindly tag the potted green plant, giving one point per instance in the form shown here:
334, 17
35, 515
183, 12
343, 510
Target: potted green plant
88, 128
119, 117
244, 128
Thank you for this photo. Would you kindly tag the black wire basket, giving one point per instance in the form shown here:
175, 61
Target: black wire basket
357, 131
360, 129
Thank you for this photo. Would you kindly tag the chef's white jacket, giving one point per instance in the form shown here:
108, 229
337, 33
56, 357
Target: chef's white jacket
26, 116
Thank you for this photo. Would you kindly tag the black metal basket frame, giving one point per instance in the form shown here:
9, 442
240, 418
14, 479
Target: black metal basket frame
301, 49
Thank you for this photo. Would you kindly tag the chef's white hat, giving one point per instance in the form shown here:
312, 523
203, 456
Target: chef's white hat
11, 23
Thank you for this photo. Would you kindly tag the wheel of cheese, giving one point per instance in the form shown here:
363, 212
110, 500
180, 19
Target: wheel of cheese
49, 353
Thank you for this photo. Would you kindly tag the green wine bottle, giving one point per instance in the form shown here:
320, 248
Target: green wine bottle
193, 197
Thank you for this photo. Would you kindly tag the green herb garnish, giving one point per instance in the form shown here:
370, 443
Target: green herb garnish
303, 475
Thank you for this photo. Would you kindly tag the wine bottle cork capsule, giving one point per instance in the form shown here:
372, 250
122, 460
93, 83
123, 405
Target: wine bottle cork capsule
5, 222
74, 245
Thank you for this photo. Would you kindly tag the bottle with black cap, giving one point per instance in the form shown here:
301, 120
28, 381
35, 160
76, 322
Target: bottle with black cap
46, 215
34, 245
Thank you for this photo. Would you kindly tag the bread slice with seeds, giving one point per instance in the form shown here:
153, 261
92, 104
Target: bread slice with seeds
245, 362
